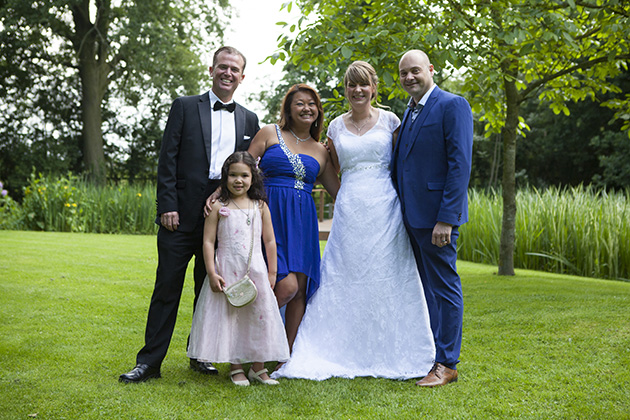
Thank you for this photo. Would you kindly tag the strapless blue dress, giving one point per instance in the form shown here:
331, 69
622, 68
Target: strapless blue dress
289, 180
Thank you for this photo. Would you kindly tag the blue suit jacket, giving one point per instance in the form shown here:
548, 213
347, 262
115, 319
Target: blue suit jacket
432, 159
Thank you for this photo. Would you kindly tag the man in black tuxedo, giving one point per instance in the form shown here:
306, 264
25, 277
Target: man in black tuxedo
201, 132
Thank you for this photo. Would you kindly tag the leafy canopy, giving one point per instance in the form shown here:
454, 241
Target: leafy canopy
557, 50
71, 64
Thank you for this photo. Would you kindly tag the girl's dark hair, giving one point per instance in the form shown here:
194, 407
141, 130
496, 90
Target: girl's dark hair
285, 113
257, 189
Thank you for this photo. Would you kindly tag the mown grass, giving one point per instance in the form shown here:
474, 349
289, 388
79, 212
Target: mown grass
73, 309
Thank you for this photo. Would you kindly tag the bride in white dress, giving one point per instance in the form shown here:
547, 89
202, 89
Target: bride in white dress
369, 316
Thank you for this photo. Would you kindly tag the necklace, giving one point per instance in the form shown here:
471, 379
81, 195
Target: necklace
297, 139
362, 125
249, 221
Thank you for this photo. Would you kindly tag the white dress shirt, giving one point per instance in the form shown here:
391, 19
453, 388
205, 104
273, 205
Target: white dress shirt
416, 107
223, 137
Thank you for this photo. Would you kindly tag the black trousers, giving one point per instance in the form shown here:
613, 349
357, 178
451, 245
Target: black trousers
175, 250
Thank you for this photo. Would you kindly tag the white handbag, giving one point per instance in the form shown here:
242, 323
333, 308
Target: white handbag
244, 291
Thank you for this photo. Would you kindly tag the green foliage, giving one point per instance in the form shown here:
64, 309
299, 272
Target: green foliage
120, 208
589, 139
70, 204
536, 346
576, 230
293, 75
9, 210
583, 231
52, 205
558, 53
505, 52
322, 50
74, 72
613, 150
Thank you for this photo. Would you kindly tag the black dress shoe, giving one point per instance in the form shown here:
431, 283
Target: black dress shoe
203, 367
140, 373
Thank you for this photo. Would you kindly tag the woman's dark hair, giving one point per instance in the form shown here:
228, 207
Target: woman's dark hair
257, 189
285, 114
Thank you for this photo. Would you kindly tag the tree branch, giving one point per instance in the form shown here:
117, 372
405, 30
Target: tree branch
580, 66
621, 10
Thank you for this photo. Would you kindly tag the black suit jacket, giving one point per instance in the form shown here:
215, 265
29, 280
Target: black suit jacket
185, 156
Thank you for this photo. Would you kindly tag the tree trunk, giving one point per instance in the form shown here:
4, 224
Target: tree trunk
508, 227
91, 116
496, 162
90, 44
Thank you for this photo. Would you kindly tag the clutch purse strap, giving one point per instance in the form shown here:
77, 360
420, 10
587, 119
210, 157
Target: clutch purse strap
251, 246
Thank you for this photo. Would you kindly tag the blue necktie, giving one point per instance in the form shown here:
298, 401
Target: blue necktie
416, 111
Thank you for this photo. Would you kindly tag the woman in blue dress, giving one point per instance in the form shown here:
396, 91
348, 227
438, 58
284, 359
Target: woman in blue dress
292, 160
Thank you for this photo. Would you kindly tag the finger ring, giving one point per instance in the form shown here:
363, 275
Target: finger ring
444, 241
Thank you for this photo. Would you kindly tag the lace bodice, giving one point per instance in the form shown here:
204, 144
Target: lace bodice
371, 150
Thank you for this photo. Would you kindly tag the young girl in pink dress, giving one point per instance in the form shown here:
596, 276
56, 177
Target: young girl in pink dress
254, 333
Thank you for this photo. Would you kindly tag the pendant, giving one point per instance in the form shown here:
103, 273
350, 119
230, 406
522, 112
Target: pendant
249, 221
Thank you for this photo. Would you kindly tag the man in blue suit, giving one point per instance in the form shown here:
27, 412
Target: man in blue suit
431, 169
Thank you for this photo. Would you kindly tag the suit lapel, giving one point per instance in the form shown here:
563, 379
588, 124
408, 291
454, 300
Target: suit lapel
239, 120
415, 126
403, 127
205, 116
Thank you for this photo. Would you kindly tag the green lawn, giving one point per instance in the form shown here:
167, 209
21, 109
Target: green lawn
73, 309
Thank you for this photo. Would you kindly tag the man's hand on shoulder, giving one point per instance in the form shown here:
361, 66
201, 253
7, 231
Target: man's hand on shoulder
207, 208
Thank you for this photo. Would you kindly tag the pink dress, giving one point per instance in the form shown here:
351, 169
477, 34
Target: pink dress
222, 333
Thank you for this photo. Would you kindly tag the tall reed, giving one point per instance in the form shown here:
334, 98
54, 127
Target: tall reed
574, 230
119, 208
52, 204
70, 204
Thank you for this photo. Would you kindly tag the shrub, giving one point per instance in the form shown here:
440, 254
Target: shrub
10, 211
70, 204
52, 204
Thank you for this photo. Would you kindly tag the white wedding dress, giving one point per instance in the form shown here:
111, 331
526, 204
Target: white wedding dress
369, 316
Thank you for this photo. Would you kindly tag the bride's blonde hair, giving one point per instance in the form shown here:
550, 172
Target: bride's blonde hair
362, 73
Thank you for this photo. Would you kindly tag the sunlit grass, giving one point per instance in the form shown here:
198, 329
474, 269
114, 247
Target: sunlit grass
73, 310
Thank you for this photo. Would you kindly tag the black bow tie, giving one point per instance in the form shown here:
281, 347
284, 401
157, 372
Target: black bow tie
218, 105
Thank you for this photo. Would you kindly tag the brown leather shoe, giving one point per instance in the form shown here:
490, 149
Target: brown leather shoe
438, 376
